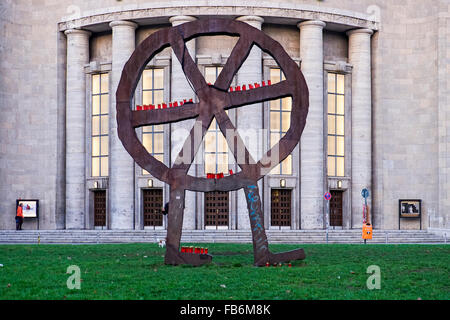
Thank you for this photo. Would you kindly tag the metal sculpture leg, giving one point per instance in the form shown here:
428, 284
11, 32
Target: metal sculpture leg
262, 255
174, 228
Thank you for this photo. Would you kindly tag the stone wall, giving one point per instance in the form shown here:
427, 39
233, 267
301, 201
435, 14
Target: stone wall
410, 88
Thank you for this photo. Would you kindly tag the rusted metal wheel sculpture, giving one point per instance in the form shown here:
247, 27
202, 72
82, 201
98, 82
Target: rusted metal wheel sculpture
214, 100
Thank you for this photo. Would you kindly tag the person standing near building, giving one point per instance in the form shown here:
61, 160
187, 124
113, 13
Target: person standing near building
19, 217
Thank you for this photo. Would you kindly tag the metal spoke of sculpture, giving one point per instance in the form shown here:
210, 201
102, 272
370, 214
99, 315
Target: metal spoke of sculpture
214, 100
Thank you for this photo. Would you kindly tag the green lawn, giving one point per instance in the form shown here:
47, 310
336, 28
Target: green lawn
136, 271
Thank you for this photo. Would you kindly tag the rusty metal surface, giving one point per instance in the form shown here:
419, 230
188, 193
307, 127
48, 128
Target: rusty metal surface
214, 100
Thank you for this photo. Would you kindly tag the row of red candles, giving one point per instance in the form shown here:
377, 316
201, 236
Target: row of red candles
163, 105
277, 265
217, 175
194, 250
250, 87
176, 104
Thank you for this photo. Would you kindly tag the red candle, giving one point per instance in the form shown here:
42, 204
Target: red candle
250, 87
238, 88
138, 108
267, 264
190, 100
263, 83
175, 104
159, 106
230, 171
164, 106
269, 82
256, 85
231, 89
146, 107
206, 250
244, 88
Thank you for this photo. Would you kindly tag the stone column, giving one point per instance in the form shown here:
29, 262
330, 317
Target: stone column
250, 117
77, 58
312, 153
121, 165
180, 89
359, 57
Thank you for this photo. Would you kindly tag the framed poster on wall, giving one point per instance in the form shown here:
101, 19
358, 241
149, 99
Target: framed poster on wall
30, 207
410, 209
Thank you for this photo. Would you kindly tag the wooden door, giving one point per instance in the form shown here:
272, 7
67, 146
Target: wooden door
216, 208
152, 204
100, 208
280, 208
336, 208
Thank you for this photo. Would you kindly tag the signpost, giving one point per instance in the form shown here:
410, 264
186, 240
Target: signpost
327, 197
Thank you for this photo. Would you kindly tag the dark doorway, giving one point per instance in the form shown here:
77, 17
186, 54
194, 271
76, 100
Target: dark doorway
216, 208
280, 207
152, 204
336, 208
100, 208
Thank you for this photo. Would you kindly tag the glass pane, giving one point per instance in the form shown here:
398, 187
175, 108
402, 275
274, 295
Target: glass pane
340, 105
286, 104
331, 146
105, 83
159, 79
287, 165
160, 157
275, 121
331, 125
340, 146
104, 103
212, 126
285, 121
159, 143
147, 82
147, 129
340, 83
95, 167
95, 125
340, 125
147, 142
95, 146
222, 163
222, 143
210, 142
210, 74
275, 104
147, 98
274, 75
145, 172
104, 146
158, 128
95, 105
159, 97
331, 166
104, 166
95, 84
283, 77
340, 167
331, 82
276, 170
104, 124
210, 163
331, 103
274, 138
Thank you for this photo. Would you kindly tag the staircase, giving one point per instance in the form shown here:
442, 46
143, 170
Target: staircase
213, 236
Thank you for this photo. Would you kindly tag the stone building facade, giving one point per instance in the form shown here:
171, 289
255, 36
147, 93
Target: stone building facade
379, 117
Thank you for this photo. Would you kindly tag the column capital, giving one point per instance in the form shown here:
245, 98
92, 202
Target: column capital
117, 23
317, 23
77, 31
254, 21
366, 31
177, 20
